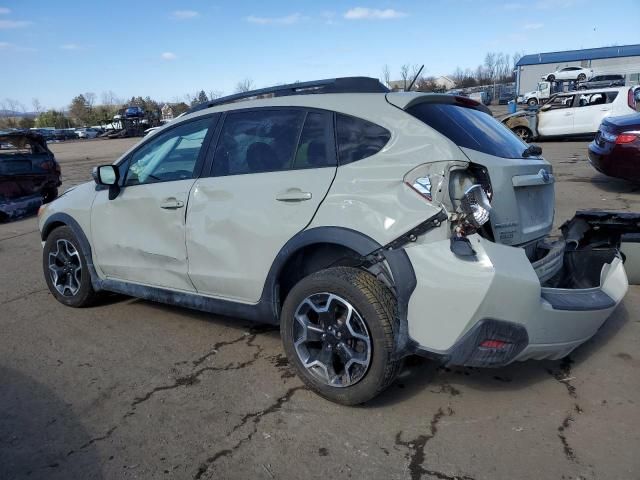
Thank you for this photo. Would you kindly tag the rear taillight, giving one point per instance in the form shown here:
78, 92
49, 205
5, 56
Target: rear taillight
626, 137
498, 344
631, 99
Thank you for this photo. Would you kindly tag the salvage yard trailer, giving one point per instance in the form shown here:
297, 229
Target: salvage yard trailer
623, 60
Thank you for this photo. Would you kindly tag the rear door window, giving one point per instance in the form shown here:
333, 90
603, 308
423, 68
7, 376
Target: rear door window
316, 148
358, 138
470, 128
256, 141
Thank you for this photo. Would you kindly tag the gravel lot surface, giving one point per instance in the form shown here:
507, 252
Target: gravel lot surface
133, 389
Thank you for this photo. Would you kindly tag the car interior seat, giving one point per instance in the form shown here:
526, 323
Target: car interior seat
261, 157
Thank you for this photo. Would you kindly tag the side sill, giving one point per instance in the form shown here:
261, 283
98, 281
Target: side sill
259, 312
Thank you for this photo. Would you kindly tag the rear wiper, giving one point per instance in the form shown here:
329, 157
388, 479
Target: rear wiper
532, 151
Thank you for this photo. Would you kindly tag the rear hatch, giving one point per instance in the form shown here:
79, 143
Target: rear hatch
523, 195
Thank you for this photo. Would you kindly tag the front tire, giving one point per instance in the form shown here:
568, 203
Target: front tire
337, 328
582, 77
532, 102
65, 269
524, 133
551, 78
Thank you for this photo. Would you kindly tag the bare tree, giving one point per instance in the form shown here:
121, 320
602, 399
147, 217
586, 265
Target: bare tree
110, 98
244, 85
404, 75
37, 106
490, 65
90, 98
386, 75
213, 94
516, 58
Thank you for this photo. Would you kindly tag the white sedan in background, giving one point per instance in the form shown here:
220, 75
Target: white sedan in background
569, 73
87, 133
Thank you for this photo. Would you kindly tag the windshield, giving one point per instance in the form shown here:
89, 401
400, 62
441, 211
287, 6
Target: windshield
470, 128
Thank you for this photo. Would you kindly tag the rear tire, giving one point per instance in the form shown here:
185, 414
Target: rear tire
65, 269
551, 78
316, 325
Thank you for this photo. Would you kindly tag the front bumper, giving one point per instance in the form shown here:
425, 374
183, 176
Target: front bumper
501, 289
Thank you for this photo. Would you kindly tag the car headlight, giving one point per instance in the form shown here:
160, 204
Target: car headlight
476, 206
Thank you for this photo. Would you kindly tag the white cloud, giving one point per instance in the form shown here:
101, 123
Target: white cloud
363, 13
6, 46
555, 4
533, 26
6, 24
4, 11
286, 20
184, 14
513, 6
168, 56
70, 46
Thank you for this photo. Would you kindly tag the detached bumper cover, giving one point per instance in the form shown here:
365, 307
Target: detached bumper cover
458, 303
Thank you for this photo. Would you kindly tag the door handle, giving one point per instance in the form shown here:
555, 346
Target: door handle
568, 114
293, 195
171, 204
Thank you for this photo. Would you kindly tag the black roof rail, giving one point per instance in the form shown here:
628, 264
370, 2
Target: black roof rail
329, 85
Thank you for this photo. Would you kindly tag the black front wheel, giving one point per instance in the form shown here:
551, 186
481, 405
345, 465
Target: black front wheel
337, 328
582, 77
65, 269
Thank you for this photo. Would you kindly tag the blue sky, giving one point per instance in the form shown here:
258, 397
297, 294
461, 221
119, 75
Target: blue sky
54, 50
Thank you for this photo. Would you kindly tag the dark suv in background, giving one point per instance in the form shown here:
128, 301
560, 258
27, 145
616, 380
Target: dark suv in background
602, 81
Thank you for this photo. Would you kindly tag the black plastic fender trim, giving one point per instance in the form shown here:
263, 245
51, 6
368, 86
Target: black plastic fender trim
71, 222
403, 275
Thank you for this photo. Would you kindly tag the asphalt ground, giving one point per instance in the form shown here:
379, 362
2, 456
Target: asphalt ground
134, 389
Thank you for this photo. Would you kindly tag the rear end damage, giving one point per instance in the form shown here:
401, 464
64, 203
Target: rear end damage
492, 285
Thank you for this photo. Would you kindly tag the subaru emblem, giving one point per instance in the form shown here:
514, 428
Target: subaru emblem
545, 175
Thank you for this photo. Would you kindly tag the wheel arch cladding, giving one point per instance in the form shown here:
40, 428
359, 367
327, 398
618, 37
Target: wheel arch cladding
64, 220
347, 240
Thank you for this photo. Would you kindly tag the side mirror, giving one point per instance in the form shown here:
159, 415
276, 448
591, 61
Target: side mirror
106, 175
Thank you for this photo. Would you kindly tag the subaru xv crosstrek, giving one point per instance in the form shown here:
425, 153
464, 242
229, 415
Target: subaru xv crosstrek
368, 225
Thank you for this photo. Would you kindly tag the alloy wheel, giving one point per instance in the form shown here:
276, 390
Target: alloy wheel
65, 268
332, 340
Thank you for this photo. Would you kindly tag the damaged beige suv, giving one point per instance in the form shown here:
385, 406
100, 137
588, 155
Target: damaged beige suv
368, 225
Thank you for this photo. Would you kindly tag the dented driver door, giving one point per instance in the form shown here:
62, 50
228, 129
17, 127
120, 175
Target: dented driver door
139, 236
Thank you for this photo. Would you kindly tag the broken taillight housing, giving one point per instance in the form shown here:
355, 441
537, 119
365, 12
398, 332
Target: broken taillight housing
429, 179
476, 206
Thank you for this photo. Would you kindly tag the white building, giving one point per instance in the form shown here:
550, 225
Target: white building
445, 82
624, 60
